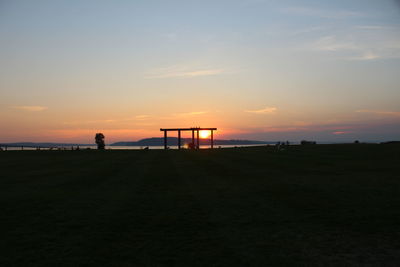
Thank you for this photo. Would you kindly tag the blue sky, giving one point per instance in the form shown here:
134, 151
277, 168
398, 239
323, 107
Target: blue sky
267, 70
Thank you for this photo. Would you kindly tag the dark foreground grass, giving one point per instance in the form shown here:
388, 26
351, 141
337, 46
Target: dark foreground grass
332, 205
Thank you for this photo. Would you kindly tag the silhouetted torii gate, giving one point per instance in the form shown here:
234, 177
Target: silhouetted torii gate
193, 129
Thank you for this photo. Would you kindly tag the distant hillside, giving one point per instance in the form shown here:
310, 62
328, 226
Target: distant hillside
173, 141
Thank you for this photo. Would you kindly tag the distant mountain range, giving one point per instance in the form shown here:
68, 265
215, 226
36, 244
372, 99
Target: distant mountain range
155, 141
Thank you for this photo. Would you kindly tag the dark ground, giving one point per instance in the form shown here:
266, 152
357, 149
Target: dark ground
331, 205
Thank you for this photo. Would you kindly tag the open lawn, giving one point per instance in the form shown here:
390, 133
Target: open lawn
332, 205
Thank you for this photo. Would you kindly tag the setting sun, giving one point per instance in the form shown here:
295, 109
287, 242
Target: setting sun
204, 134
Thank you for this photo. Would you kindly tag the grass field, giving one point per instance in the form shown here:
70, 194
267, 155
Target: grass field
332, 205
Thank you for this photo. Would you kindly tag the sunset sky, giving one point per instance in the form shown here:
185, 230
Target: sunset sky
261, 70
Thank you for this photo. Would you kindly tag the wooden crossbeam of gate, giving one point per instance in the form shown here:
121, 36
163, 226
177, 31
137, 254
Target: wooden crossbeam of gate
193, 130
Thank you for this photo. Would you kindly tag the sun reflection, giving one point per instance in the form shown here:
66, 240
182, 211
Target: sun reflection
204, 134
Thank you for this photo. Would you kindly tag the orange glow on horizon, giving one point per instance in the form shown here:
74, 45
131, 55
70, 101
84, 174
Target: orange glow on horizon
204, 134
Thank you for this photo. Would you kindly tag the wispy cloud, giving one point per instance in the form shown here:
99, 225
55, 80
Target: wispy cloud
102, 121
183, 72
358, 47
380, 112
321, 13
330, 43
267, 110
371, 27
308, 127
90, 122
142, 117
193, 113
135, 119
341, 132
31, 108
308, 30
366, 55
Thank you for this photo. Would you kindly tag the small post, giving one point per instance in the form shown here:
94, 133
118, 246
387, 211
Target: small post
179, 139
193, 138
198, 139
212, 139
165, 139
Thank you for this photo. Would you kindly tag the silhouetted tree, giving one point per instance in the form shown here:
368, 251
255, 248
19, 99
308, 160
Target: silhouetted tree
100, 141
